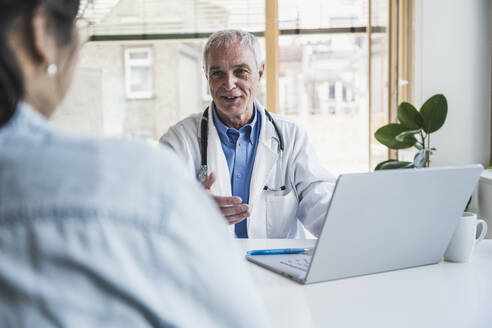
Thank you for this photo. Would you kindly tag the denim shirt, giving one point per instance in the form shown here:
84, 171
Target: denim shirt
97, 233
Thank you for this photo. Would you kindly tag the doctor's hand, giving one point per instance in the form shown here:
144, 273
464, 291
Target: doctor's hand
231, 207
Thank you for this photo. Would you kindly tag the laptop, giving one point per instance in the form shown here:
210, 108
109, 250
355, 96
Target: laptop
382, 221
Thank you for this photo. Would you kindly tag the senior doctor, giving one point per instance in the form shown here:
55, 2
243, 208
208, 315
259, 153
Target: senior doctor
259, 167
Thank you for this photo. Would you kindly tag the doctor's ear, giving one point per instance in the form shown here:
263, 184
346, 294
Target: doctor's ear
261, 70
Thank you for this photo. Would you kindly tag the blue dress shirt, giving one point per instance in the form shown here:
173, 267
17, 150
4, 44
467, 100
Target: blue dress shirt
239, 148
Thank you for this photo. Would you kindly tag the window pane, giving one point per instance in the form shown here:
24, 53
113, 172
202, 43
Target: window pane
97, 103
140, 79
324, 79
139, 55
324, 88
379, 81
175, 75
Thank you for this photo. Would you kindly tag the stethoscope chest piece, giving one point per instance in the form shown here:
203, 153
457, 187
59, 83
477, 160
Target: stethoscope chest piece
203, 173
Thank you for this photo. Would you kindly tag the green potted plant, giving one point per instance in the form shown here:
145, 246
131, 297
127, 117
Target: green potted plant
413, 130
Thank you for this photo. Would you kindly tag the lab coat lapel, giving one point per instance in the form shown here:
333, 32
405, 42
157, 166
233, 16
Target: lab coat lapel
216, 160
266, 156
217, 163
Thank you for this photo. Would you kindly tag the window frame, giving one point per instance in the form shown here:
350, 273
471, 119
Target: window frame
131, 63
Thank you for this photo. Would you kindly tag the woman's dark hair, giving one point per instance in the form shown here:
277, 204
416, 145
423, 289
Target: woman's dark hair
60, 16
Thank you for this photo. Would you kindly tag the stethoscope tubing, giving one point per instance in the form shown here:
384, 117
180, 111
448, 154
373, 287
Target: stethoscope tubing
202, 173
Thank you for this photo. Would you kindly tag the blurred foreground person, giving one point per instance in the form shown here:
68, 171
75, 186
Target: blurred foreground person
96, 233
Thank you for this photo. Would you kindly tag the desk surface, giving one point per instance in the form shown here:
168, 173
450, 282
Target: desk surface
442, 295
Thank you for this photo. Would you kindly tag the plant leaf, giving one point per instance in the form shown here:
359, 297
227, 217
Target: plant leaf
378, 167
402, 136
409, 116
386, 135
434, 112
393, 164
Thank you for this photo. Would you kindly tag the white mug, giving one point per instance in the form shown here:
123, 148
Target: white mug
461, 246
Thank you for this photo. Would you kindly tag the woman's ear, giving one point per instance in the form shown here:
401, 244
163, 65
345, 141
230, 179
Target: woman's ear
44, 43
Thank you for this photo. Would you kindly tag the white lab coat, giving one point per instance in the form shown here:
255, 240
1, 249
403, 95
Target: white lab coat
274, 214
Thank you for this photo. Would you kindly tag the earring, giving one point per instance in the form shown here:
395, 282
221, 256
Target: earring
52, 69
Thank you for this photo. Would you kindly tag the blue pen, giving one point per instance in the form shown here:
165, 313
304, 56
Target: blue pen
277, 251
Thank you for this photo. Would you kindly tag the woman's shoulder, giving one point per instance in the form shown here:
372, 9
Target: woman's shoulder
100, 173
133, 159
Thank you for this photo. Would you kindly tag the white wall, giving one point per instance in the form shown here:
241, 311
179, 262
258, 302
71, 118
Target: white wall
453, 57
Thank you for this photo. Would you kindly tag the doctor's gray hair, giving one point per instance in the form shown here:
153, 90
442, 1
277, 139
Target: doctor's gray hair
229, 37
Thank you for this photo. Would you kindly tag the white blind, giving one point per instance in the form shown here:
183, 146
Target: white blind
171, 17
113, 17
323, 14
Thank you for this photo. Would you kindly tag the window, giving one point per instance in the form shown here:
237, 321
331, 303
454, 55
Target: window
138, 73
324, 51
141, 70
332, 91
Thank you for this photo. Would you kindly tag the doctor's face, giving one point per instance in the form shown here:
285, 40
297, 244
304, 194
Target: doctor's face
233, 77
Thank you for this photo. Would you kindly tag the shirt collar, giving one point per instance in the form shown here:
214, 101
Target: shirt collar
26, 118
248, 129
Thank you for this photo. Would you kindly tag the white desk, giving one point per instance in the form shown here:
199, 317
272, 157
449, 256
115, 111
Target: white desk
444, 295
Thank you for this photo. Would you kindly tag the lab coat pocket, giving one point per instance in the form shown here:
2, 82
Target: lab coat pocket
281, 208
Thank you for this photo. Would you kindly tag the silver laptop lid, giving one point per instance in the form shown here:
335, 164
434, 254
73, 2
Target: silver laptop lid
388, 220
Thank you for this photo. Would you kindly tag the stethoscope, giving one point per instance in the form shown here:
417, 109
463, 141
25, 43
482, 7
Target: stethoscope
202, 173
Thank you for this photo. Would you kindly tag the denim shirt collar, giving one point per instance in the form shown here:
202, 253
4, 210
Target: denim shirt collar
225, 131
26, 120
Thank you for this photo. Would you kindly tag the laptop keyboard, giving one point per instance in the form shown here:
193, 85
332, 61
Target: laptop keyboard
299, 262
